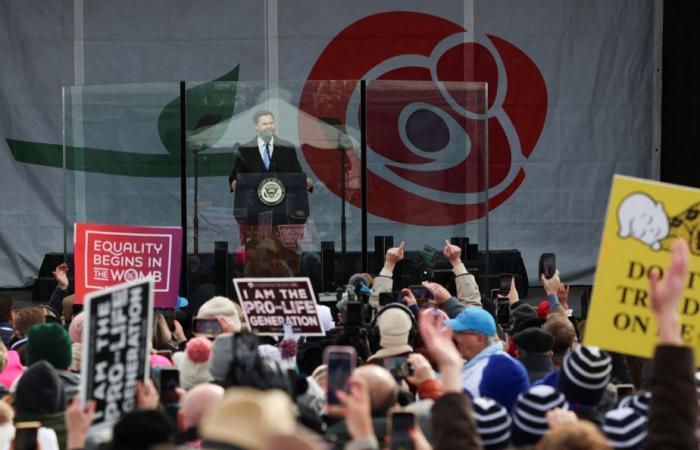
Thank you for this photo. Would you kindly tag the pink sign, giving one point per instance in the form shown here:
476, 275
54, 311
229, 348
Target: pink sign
291, 234
106, 255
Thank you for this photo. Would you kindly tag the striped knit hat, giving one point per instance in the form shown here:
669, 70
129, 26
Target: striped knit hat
530, 413
638, 402
492, 422
625, 429
584, 375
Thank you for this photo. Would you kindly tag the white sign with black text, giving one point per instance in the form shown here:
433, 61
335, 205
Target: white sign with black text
116, 339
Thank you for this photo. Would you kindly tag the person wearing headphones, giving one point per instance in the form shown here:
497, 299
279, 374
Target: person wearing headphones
394, 329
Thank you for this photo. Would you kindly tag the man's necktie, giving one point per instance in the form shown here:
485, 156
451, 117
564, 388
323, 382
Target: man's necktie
266, 157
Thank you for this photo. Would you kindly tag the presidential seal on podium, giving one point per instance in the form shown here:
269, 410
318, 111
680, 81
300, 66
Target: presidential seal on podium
271, 191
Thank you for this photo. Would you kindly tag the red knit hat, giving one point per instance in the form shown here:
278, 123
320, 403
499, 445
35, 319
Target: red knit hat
543, 309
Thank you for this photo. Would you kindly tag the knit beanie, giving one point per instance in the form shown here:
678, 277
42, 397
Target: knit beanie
219, 306
530, 413
534, 340
522, 313
39, 391
492, 423
194, 363
394, 323
625, 429
638, 402
49, 342
584, 375
503, 379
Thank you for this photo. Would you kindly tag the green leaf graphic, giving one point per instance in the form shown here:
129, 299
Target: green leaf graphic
207, 104
112, 162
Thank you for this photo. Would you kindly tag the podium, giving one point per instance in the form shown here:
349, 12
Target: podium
250, 207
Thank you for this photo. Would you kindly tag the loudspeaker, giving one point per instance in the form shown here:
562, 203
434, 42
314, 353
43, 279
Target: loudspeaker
221, 281
327, 266
502, 261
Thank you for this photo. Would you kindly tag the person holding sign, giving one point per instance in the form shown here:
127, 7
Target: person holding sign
673, 410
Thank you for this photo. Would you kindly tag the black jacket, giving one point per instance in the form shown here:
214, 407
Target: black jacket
248, 159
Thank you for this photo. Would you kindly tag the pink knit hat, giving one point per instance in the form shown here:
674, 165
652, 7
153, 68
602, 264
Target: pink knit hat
194, 362
160, 360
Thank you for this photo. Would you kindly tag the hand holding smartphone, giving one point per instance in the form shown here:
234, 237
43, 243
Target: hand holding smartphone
421, 292
386, 298
401, 423
209, 327
169, 381
398, 366
504, 284
548, 264
340, 362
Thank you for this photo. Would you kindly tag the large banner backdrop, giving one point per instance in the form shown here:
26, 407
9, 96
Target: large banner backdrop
572, 92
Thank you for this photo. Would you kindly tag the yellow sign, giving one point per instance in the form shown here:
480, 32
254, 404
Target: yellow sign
643, 219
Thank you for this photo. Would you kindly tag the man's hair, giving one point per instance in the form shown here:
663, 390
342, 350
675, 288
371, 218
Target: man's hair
581, 435
26, 317
6, 307
258, 114
564, 335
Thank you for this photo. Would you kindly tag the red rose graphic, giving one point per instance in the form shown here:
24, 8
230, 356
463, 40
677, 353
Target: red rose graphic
425, 151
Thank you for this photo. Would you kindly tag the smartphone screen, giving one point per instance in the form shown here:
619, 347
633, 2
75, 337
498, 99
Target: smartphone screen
401, 422
169, 382
398, 366
340, 362
26, 435
503, 312
386, 298
420, 291
504, 282
548, 264
207, 327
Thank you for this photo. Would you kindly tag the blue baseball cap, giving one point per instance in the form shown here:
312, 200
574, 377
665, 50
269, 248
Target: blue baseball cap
473, 319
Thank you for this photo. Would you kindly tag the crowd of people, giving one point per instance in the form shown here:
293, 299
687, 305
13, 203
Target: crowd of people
438, 372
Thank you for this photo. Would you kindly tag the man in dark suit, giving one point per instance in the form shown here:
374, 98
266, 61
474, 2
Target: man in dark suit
266, 152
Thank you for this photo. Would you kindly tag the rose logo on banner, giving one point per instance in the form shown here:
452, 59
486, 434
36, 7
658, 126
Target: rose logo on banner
426, 171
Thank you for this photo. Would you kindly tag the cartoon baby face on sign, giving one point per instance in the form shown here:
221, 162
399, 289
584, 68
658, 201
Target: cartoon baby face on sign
644, 219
